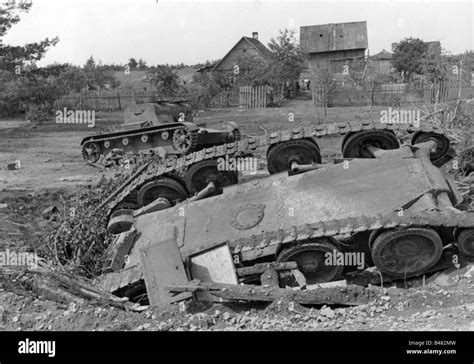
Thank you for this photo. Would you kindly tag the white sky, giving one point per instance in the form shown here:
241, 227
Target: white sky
194, 31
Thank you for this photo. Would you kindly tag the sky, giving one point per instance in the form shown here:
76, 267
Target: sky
195, 31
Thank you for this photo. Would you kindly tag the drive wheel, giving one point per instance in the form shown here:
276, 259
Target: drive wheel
311, 258
408, 252
200, 174
91, 152
166, 188
355, 145
185, 140
280, 156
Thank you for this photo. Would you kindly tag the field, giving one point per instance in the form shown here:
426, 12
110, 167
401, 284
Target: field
52, 168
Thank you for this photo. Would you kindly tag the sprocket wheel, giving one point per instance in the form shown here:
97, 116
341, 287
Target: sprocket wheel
166, 188
408, 252
200, 174
311, 260
282, 155
355, 145
91, 152
185, 140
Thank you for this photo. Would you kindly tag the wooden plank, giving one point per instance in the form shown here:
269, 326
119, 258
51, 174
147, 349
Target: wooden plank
213, 265
299, 277
262, 267
351, 295
162, 266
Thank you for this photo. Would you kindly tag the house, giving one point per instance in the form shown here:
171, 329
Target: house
333, 48
246, 46
380, 63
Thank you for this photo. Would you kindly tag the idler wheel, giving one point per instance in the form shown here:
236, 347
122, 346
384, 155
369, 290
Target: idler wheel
166, 188
200, 174
465, 242
408, 252
281, 156
311, 260
355, 144
442, 143
120, 221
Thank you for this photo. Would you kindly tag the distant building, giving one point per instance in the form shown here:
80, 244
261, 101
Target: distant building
246, 46
336, 48
380, 63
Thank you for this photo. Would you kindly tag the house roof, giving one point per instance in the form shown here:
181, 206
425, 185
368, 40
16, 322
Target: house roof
382, 55
333, 37
254, 43
260, 47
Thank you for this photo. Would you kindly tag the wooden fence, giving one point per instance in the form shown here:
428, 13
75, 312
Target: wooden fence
106, 101
254, 96
244, 97
374, 94
227, 98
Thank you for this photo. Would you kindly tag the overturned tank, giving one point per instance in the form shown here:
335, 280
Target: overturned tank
395, 210
167, 125
178, 179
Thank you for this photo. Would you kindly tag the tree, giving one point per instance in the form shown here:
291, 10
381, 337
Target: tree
98, 75
142, 65
13, 58
164, 79
132, 63
408, 57
435, 65
287, 59
22, 84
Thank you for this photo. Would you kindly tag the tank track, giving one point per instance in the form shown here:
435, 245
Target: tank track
253, 246
159, 168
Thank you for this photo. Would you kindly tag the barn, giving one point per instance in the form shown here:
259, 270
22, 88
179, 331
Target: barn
381, 63
335, 48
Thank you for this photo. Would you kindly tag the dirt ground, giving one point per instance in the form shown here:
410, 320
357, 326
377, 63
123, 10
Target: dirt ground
51, 167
